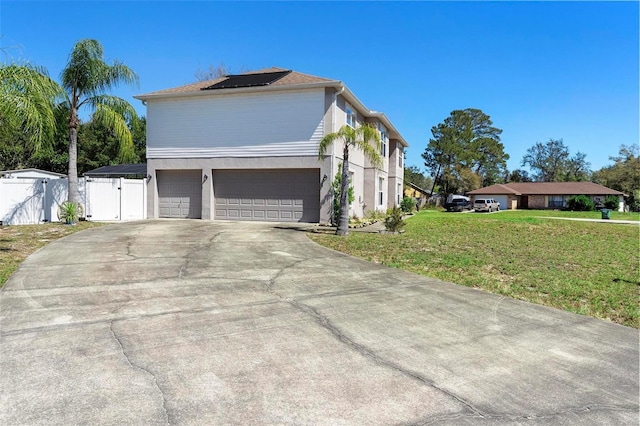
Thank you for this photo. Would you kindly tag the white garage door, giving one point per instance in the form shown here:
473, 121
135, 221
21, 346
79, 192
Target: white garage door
502, 199
277, 195
180, 193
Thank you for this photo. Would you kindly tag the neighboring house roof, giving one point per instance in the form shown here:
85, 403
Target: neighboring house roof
546, 188
118, 170
31, 172
291, 80
417, 188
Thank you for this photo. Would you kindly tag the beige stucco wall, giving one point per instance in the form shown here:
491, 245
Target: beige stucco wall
206, 165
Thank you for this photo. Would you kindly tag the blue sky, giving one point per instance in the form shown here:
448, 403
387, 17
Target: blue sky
541, 70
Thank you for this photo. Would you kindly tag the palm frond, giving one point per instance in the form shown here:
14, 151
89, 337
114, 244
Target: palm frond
113, 120
27, 101
367, 134
87, 74
115, 103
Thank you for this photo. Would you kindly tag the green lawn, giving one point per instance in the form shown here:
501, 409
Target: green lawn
584, 267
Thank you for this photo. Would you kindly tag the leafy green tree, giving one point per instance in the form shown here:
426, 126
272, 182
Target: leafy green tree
623, 175
98, 146
360, 138
85, 79
518, 175
551, 162
413, 175
465, 152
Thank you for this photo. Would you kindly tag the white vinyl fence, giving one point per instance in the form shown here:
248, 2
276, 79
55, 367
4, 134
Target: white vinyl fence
36, 200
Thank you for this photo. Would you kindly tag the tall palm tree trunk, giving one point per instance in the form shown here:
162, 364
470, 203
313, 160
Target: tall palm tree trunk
74, 195
343, 219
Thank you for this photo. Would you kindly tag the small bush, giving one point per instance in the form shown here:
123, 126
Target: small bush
611, 202
394, 222
69, 212
374, 215
580, 203
408, 204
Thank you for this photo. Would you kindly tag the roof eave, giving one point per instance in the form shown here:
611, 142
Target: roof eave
353, 99
234, 90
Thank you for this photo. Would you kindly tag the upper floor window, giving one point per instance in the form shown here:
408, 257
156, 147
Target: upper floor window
384, 139
352, 117
400, 155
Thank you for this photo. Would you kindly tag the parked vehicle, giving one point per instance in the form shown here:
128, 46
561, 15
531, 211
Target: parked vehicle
458, 205
486, 205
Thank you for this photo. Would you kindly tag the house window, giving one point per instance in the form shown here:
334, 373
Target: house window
399, 193
380, 191
384, 139
400, 156
556, 201
351, 116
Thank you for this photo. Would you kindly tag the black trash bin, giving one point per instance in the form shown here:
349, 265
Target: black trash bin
606, 213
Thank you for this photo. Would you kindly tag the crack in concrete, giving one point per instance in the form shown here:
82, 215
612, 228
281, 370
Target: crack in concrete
135, 317
139, 367
191, 253
129, 246
520, 417
363, 350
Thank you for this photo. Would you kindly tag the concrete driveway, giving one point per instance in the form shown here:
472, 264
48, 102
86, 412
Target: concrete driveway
203, 323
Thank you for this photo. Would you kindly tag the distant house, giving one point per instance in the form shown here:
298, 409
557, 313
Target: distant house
421, 195
544, 195
30, 174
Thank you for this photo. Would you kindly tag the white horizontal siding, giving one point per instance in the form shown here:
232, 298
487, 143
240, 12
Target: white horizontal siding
281, 123
291, 149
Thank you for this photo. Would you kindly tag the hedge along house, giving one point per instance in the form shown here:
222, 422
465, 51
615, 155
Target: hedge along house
545, 195
245, 147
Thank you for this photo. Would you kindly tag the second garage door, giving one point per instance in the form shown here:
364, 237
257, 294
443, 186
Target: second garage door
277, 195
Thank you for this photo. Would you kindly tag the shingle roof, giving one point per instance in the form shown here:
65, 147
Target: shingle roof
292, 81
294, 78
546, 188
119, 170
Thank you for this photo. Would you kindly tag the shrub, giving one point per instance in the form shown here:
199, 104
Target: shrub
70, 212
375, 215
408, 204
611, 202
580, 203
337, 189
394, 222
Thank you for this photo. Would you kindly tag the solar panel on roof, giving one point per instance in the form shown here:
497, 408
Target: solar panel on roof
248, 80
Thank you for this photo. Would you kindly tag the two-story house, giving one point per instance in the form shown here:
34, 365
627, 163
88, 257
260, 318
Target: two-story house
245, 147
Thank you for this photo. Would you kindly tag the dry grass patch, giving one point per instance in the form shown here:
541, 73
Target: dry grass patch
19, 241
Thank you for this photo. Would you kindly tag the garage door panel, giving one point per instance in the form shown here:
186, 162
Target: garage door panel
179, 193
291, 195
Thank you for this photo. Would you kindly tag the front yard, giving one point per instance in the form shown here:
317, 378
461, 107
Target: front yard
584, 267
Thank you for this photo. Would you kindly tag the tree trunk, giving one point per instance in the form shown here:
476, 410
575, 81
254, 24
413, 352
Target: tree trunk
343, 219
72, 177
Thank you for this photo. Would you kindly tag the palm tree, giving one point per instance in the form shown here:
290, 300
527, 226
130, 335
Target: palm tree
359, 138
27, 102
85, 79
